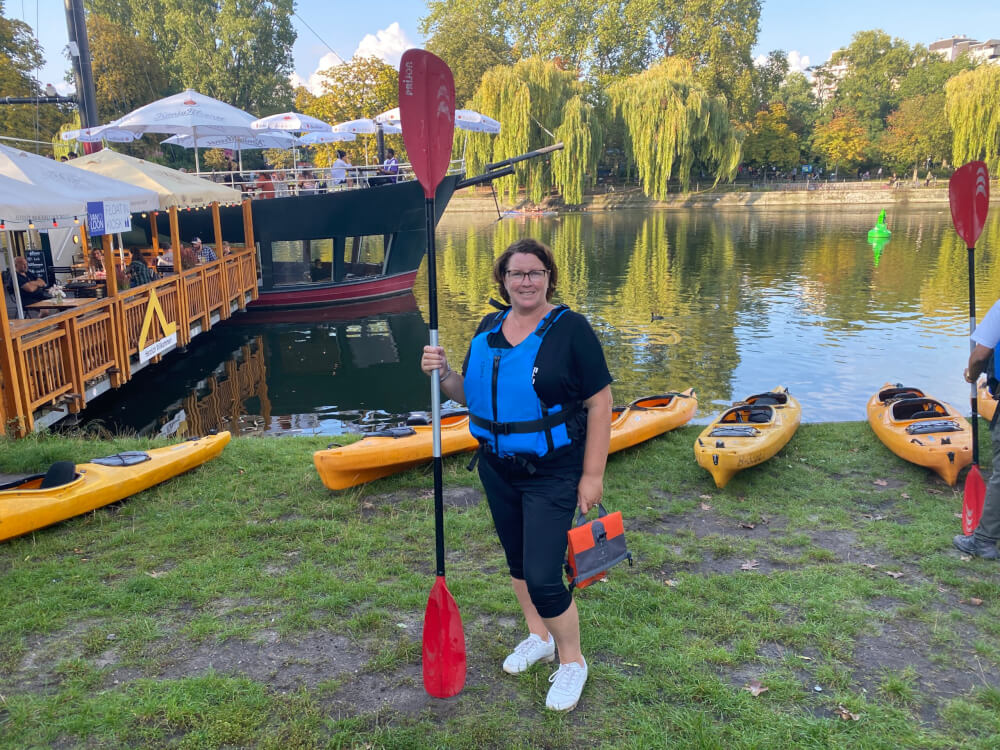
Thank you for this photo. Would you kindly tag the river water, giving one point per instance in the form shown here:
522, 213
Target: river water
730, 302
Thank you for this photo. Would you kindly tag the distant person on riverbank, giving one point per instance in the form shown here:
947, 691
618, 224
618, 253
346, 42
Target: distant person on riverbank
983, 542
539, 396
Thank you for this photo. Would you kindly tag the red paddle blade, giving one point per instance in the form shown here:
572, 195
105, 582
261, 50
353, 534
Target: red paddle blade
444, 644
972, 504
427, 115
969, 195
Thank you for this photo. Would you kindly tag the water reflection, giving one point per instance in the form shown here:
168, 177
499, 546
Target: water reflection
731, 303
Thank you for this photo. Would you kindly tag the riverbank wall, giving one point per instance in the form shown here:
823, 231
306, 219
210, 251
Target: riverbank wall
862, 195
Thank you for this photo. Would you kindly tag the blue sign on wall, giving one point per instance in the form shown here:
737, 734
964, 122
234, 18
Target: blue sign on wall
95, 218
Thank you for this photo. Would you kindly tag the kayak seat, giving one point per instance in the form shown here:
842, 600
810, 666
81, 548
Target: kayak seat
59, 473
936, 425
899, 392
761, 414
917, 408
771, 398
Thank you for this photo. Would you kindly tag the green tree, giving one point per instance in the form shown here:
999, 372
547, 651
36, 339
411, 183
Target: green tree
672, 121
537, 103
238, 51
843, 140
20, 56
470, 37
771, 141
127, 74
875, 66
768, 78
917, 131
972, 103
796, 94
361, 87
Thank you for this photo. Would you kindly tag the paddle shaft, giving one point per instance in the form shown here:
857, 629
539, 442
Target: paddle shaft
432, 314
972, 346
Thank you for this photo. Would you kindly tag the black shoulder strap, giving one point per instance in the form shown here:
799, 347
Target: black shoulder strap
551, 318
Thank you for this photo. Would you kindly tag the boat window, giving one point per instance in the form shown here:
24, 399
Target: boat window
297, 262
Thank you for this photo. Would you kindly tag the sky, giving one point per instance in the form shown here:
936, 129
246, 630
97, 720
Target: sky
808, 31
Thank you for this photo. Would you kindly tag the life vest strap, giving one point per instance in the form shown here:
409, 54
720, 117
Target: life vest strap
534, 425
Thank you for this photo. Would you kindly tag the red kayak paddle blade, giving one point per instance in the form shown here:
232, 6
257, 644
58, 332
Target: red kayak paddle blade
972, 504
427, 115
444, 644
969, 196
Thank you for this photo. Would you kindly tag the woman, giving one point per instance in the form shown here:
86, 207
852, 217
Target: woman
540, 367
138, 272
96, 264
338, 172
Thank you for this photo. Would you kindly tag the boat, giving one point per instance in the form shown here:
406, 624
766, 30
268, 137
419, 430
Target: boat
921, 429
986, 403
397, 449
747, 434
344, 246
66, 491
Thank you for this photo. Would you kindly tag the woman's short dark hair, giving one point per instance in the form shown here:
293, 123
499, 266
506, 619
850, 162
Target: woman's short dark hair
341, 153
531, 247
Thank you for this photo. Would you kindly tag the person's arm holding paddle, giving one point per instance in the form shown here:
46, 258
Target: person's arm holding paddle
595, 453
452, 382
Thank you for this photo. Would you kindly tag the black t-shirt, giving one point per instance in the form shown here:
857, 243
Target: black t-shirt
570, 362
29, 297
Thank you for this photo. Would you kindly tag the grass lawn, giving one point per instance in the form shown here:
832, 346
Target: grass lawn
244, 605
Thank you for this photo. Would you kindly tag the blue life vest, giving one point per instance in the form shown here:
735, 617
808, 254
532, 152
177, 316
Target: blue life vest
505, 413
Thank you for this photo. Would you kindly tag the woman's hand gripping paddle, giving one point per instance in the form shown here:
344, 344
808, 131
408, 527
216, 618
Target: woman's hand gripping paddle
969, 195
427, 117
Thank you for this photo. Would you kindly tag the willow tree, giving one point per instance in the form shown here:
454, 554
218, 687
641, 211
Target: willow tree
972, 103
672, 122
537, 104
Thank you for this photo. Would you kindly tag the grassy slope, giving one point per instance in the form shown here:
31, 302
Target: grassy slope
245, 605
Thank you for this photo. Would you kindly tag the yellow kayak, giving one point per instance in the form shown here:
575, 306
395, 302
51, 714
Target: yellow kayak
388, 452
986, 404
67, 490
747, 434
921, 429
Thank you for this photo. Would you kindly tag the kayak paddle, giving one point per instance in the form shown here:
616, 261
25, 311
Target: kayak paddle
427, 117
969, 196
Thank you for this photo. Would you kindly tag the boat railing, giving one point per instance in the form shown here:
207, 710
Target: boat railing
65, 360
301, 181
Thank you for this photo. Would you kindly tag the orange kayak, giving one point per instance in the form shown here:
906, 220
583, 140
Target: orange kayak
986, 405
921, 429
747, 434
29, 504
388, 452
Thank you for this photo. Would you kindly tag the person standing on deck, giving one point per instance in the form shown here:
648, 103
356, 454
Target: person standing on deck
539, 396
983, 542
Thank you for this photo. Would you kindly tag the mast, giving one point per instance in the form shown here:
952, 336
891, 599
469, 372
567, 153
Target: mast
79, 51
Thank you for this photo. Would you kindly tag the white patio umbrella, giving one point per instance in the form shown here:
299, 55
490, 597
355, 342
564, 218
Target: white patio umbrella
188, 113
292, 122
366, 126
110, 132
334, 136
237, 143
466, 119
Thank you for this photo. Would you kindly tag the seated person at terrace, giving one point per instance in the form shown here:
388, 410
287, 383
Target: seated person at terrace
138, 271
96, 264
32, 288
166, 260
205, 253
389, 168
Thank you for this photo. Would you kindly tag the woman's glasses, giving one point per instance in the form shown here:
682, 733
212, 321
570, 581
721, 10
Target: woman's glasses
518, 276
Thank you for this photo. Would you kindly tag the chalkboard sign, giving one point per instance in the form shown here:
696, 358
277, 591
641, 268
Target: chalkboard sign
40, 264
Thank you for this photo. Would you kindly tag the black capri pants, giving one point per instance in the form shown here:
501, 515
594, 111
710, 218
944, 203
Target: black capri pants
532, 511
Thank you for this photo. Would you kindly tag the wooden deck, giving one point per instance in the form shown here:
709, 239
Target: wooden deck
54, 366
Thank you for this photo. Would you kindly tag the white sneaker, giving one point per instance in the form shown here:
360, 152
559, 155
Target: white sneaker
567, 684
532, 649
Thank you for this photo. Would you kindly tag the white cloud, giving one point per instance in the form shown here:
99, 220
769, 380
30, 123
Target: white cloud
797, 63
315, 81
387, 44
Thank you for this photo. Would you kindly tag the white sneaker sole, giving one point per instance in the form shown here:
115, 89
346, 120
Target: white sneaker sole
545, 659
562, 710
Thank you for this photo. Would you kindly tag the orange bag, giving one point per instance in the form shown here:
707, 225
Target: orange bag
594, 547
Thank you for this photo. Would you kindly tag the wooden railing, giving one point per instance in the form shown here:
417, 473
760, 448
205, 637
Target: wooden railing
57, 361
